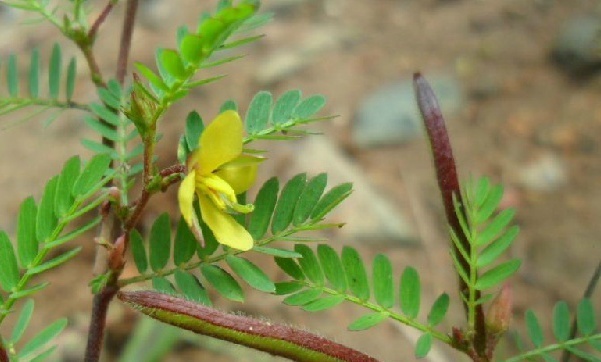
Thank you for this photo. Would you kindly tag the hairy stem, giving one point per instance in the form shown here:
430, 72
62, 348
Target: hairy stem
125, 43
101, 18
448, 183
98, 323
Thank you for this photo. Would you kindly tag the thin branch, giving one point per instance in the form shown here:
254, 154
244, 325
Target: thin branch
101, 18
98, 323
126, 35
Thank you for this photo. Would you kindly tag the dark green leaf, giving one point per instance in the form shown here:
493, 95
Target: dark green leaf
309, 198
185, 244
43, 337
284, 288
34, 73
497, 274
410, 292
534, 329
194, 128
309, 107
439, 310
22, 322
491, 203
191, 287
160, 242
46, 219
383, 282
284, 106
163, 285
264, 206
423, 345
257, 115
106, 115
290, 267
284, 209
331, 199
103, 129
54, 76
367, 321
9, 272
53, 263
356, 276
91, 174
191, 48
26, 232
71, 74
323, 303
585, 316
98, 147
210, 243
282, 253
250, 273
63, 199
171, 62
302, 298
138, 251
309, 264
109, 98
224, 283
12, 76
495, 227
332, 267
229, 105
561, 321
492, 252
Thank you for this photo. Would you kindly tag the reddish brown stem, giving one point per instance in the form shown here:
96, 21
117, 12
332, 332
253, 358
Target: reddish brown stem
3, 354
448, 183
101, 18
126, 35
98, 323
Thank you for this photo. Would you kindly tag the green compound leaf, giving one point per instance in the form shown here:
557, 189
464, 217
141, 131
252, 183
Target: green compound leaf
185, 244
9, 272
496, 226
383, 281
284, 209
284, 288
43, 337
332, 267
367, 321
12, 76
323, 303
423, 345
43, 356
194, 128
91, 174
54, 75
302, 298
170, 62
29, 291
163, 285
309, 198
282, 253
264, 206
139, 252
535, 332
489, 205
290, 267
64, 200
46, 219
155, 81
257, 116
585, 317
22, 321
250, 273
34, 74
331, 199
160, 242
224, 283
498, 274
53, 263
561, 321
27, 242
439, 310
71, 75
309, 264
356, 276
284, 106
410, 292
191, 48
309, 106
494, 250
191, 287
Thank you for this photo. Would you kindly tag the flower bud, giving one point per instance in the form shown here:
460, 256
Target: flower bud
498, 317
142, 108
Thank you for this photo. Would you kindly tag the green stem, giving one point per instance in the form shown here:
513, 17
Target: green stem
553, 347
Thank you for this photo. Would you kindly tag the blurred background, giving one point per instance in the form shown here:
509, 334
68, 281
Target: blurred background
519, 85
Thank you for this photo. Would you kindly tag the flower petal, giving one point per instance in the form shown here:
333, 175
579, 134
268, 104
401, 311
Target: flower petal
219, 143
226, 229
240, 173
185, 197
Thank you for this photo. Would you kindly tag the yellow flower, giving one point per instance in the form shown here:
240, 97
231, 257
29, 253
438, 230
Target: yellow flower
217, 172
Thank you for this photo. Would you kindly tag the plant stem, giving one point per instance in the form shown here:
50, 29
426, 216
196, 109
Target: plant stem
101, 18
126, 35
3, 353
98, 323
448, 183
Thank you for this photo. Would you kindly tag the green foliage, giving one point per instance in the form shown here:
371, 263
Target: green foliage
585, 343
324, 279
16, 100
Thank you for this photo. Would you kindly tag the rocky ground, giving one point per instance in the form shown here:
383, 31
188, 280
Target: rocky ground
514, 114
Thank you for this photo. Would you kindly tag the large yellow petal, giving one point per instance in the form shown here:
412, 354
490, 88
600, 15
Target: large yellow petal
227, 231
185, 197
241, 173
219, 143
